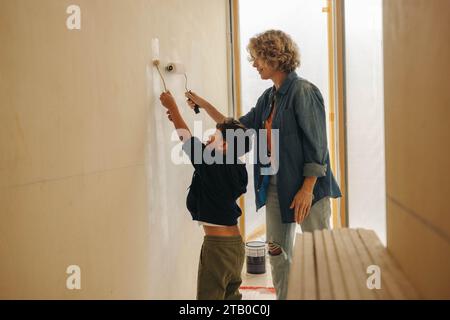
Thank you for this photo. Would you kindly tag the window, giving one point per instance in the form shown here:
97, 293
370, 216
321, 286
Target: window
365, 115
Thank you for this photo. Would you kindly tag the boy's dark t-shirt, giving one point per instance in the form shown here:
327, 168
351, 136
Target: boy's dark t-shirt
215, 187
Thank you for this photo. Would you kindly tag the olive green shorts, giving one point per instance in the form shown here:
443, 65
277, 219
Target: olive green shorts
220, 268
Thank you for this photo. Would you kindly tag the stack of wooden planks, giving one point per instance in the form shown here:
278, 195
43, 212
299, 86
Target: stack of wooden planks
338, 264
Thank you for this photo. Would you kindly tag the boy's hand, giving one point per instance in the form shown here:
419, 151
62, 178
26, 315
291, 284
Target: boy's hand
167, 100
174, 115
193, 100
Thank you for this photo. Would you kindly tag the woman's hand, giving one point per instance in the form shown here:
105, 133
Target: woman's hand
168, 101
301, 205
193, 100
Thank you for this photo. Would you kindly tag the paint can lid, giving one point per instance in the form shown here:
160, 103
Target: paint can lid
255, 249
255, 244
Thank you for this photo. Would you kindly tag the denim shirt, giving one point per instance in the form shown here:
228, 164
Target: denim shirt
303, 150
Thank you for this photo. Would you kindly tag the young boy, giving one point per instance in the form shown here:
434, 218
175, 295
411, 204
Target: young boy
215, 187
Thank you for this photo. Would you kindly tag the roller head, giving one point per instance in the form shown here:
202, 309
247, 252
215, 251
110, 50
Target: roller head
176, 68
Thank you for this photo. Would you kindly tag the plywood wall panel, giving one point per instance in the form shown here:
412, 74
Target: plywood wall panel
417, 103
86, 175
417, 99
49, 226
423, 254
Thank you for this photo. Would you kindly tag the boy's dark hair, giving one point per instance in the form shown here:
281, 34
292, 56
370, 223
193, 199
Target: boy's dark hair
229, 129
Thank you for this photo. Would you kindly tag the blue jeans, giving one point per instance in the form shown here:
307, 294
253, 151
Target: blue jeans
281, 236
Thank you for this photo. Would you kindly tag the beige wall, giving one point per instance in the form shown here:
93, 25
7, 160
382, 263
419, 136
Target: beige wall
85, 171
417, 115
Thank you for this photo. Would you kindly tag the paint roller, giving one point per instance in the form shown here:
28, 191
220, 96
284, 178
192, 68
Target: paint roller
175, 68
178, 68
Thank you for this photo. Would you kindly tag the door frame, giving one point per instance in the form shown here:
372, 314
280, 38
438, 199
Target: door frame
336, 44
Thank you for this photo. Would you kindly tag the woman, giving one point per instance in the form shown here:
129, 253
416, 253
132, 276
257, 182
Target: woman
300, 190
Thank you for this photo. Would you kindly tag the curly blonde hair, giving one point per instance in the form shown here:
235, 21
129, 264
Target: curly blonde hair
276, 48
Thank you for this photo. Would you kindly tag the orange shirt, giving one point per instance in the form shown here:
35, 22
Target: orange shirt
268, 126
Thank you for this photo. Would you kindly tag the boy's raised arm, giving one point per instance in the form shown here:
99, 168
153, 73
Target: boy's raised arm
174, 115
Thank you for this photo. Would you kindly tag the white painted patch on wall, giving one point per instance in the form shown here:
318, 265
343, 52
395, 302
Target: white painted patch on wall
155, 131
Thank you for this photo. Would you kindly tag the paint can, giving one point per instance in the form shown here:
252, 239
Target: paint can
255, 252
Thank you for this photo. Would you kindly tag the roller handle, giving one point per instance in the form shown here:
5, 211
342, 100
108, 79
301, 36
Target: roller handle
196, 108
